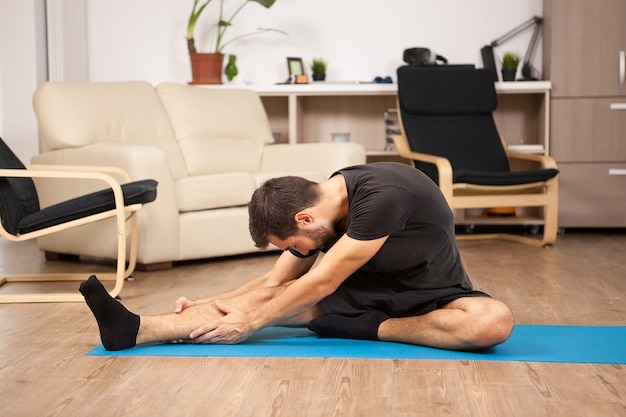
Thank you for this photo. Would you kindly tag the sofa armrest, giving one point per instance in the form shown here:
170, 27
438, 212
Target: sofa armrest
140, 162
322, 157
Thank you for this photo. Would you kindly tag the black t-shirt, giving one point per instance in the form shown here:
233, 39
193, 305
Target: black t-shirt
397, 200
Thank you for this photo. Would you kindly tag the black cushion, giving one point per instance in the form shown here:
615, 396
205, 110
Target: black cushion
448, 113
143, 191
451, 91
503, 178
468, 142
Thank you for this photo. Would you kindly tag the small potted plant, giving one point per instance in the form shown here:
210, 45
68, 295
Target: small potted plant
510, 61
318, 69
206, 68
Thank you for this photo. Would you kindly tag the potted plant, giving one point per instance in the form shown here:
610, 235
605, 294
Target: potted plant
318, 69
510, 61
206, 68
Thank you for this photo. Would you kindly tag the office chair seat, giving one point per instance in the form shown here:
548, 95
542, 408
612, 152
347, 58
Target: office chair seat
503, 178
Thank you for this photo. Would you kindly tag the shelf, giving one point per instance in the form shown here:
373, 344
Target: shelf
523, 87
374, 152
368, 88
326, 88
502, 221
528, 148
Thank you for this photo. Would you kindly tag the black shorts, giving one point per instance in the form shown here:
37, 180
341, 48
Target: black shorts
361, 292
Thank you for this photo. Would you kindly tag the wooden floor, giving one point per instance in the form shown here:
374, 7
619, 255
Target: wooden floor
582, 280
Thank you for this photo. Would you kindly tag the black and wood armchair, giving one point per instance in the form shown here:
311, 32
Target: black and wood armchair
23, 219
448, 131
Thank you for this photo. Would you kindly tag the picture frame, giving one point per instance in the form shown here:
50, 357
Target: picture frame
295, 66
296, 70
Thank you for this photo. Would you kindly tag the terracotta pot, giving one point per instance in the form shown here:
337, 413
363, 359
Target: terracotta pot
206, 68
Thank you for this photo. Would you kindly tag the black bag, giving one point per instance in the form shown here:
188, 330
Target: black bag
422, 56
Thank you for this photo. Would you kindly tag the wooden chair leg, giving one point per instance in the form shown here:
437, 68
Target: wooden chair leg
122, 272
551, 214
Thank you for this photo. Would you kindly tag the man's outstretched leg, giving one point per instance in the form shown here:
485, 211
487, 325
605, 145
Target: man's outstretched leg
122, 329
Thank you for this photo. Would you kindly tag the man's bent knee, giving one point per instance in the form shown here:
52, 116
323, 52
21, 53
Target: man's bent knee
494, 327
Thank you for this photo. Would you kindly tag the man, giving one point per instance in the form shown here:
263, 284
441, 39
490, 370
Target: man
391, 271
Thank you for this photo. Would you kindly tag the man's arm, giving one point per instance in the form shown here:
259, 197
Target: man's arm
342, 260
286, 268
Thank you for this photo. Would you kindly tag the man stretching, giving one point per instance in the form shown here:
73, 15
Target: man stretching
391, 271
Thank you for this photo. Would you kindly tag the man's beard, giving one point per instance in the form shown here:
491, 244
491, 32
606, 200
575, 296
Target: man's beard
323, 238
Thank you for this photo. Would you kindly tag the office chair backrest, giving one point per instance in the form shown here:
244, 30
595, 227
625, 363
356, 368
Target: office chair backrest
18, 196
448, 112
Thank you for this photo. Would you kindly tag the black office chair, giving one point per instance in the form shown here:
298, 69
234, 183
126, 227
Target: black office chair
448, 131
23, 219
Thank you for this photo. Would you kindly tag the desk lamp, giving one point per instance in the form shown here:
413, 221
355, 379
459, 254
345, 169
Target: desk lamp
487, 51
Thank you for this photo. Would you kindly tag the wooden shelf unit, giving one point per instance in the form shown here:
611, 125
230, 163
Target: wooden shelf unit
302, 113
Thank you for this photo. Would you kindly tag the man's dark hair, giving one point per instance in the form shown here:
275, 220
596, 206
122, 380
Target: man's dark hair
273, 206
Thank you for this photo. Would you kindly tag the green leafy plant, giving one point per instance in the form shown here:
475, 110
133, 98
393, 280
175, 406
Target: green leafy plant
222, 25
318, 66
510, 60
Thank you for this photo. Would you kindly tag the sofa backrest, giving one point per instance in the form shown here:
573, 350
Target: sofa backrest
218, 129
76, 114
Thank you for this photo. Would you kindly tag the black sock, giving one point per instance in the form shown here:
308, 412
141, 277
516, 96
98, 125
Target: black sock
364, 327
118, 326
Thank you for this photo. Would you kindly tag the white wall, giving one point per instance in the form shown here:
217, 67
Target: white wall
359, 39
144, 39
22, 69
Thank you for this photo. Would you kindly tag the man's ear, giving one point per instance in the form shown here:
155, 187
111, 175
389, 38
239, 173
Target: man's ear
303, 218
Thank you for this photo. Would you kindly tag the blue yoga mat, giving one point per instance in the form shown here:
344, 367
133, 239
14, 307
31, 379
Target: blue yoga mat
528, 343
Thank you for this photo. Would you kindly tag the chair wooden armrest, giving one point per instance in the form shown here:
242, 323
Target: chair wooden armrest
544, 161
444, 168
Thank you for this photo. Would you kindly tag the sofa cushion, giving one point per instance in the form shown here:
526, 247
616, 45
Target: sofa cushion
80, 114
321, 157
216, 155
314, 176
214, 191
207, 123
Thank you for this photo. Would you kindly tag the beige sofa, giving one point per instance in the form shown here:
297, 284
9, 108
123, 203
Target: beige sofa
208, 148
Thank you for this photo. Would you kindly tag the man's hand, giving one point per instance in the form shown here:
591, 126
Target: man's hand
232, 328
181, 304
